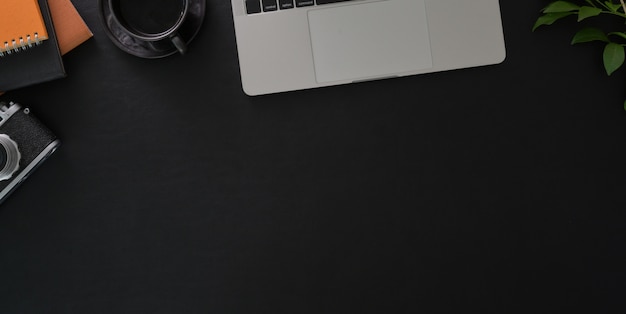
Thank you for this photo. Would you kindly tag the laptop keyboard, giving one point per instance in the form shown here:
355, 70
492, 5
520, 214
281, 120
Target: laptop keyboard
258, 6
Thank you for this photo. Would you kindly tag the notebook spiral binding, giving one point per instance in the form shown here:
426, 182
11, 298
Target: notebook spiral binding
16, 46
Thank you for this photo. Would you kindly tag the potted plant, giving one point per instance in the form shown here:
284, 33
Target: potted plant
613, 55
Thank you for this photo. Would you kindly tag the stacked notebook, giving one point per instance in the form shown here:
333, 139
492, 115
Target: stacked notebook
33, 36
70, 28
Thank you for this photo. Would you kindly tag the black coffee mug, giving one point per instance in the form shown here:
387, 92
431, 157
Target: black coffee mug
152, 20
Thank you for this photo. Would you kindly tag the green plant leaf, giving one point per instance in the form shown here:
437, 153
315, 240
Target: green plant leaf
620, 34
613, 7
549, 18
586, 12
589, 34
613, 57
624, 105
560, 6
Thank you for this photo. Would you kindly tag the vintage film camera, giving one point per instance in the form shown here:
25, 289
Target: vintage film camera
24, 144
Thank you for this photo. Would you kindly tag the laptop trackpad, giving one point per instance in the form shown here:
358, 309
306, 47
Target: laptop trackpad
369, 40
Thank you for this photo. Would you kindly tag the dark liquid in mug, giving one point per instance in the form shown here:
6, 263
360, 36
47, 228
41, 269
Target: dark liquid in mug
151, 16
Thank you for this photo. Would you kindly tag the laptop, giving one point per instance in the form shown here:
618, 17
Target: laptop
286, 45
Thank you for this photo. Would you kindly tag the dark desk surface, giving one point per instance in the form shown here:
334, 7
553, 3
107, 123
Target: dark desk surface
499, 189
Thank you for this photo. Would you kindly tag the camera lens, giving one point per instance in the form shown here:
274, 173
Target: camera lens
9, 157
3, 156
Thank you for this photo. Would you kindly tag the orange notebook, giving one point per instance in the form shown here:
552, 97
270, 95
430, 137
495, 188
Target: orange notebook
70, 27
71, 30
21, 24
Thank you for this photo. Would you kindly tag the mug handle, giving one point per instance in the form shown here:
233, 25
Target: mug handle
179, 44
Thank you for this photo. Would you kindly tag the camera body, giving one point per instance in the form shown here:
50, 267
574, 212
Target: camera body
24, 144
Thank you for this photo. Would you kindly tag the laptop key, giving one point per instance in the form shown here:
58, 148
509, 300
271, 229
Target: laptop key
285, 4
304, 3
269, 5
253, 6
329, 1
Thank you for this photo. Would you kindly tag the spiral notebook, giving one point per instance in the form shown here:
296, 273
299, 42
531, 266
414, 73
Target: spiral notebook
30, 53
21, 25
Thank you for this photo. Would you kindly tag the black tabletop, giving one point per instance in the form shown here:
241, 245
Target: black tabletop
499, 189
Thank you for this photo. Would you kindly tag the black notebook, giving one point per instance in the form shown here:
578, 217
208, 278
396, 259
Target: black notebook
37, 64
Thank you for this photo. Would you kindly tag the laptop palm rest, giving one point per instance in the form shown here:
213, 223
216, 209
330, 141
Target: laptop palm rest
369, 40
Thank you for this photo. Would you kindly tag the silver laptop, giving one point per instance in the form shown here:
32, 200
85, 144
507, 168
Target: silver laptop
286, 45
